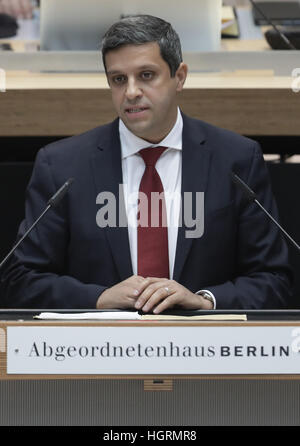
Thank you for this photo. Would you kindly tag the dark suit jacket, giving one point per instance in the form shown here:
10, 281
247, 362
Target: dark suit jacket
68, 260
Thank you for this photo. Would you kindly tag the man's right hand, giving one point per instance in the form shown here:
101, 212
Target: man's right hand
123, 295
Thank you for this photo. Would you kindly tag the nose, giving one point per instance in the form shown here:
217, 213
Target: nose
133, 90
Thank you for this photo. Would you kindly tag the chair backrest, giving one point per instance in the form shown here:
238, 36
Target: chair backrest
14, 178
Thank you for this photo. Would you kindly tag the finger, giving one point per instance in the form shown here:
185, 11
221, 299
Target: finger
168, 302
136, 286
159, 295
130, 292
132, 285
157, 279
125, 290
128, 303
115, 298
149, 288
143, 284
136, 277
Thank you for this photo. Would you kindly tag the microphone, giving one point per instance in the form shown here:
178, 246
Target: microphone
277, 30
252, 197
54, 200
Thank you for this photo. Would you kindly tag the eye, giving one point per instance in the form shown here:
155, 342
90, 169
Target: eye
147, 75
119, 79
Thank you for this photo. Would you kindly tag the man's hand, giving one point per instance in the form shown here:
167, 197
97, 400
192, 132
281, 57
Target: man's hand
123, 295
161, 294
151, 294
17, 8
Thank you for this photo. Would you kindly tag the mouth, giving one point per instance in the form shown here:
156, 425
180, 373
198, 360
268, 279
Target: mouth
135, 112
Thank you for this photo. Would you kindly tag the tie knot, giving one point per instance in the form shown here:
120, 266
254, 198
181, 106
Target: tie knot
151, 155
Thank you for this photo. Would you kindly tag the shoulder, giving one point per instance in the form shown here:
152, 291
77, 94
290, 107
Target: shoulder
79, 146
228, 150
71, 157
222, 142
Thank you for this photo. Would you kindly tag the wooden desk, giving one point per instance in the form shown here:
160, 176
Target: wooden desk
67, 104
253, 103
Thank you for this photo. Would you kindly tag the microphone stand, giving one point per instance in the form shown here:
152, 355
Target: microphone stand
252, 197
54, 200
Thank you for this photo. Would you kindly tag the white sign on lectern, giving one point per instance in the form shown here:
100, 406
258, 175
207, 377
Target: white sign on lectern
180, 350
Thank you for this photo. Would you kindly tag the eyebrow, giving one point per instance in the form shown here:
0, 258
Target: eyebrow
143, 67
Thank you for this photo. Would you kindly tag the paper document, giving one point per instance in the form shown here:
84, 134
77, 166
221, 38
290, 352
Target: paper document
200, 317
129, 315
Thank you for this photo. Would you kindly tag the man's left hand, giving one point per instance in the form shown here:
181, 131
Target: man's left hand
162, 294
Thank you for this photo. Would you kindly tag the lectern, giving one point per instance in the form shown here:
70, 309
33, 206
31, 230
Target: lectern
181, 372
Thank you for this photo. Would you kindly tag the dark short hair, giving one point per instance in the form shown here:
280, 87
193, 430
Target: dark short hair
141, 29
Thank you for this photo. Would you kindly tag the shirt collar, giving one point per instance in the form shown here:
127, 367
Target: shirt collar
132, 144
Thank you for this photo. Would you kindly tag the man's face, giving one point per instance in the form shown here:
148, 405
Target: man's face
143, 91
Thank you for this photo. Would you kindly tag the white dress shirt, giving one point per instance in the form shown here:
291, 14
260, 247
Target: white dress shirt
168, 167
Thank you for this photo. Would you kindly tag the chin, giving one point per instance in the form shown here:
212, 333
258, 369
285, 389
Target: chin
139, 129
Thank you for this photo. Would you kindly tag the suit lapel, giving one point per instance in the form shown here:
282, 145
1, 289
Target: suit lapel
107, 171
196, 158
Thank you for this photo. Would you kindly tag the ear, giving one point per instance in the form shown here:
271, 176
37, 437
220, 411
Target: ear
181, 75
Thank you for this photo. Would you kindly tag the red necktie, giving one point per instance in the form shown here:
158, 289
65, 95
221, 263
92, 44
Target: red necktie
152, 233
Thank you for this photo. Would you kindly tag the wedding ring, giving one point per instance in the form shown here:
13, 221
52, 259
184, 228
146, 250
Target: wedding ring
167, 290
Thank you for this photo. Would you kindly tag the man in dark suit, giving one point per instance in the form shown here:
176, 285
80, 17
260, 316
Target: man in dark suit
75, 260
